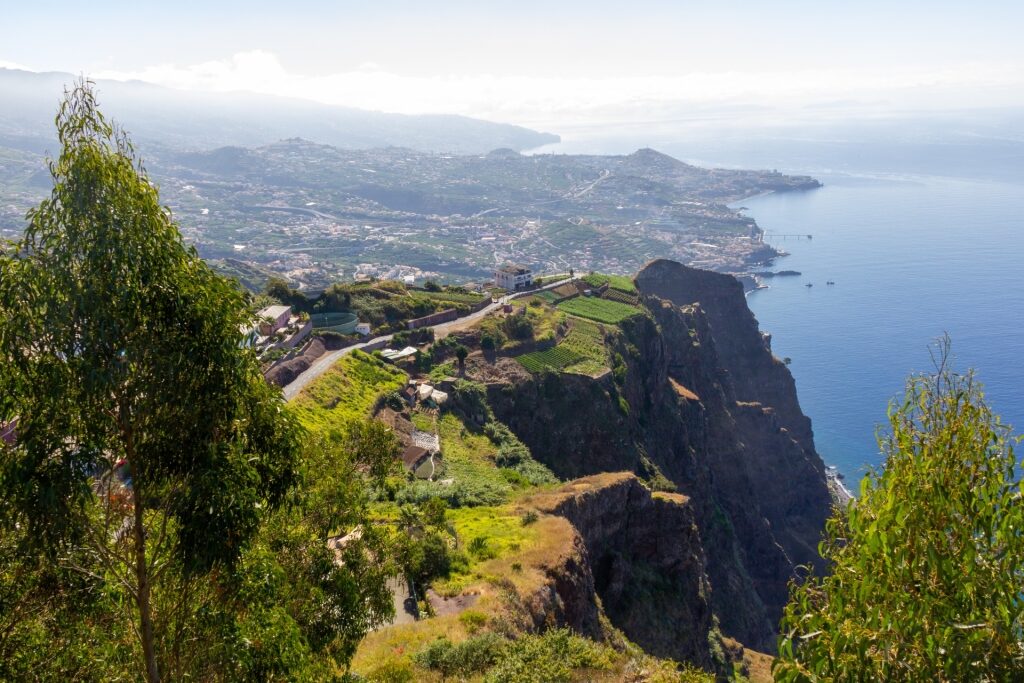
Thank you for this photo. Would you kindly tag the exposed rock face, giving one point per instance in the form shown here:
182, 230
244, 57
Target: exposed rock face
706, 404
566, 596
569, 597
645, 554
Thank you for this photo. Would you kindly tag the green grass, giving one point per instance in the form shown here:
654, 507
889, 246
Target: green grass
623, 283
547, 296
504, 535
422, 422
600, 310
346, 392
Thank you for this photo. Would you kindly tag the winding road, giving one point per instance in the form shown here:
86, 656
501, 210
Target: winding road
324, 362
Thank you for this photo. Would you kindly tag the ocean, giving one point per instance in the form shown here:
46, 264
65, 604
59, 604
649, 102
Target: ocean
922, 231
912, 259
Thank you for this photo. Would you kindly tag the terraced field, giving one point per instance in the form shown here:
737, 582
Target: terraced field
582, 352
557, 358
622, 283
599, 310
621, 297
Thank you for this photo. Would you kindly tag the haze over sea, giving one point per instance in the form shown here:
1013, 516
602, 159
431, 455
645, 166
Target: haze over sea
922, 233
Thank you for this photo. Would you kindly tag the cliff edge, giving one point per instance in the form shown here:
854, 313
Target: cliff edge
696, 403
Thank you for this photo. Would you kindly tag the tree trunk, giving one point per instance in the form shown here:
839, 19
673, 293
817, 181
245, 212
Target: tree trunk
145, 608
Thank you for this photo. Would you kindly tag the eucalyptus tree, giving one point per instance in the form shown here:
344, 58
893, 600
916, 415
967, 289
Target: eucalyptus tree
927, 564
148, 444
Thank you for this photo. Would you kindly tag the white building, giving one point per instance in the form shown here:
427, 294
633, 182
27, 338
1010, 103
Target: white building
513, 277
363, 329
273, 318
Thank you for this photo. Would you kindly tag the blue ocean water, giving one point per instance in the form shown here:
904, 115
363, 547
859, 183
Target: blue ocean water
912, 259
920, 225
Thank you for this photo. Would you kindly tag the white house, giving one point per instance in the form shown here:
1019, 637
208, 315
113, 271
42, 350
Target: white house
363, 329
513, 277
273, 318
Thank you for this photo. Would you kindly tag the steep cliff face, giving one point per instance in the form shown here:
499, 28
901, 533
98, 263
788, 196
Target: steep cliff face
566, 596
704, 402
645, 554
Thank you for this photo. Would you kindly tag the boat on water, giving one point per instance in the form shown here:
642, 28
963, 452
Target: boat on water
809, 284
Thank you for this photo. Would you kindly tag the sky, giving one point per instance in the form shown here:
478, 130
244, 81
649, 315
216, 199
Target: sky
549, 62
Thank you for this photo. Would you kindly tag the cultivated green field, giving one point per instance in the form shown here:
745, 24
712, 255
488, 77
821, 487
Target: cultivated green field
581, 352
557, 358
623, 283
600, 310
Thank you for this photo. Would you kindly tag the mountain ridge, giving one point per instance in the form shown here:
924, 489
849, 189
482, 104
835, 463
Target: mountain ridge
205, 120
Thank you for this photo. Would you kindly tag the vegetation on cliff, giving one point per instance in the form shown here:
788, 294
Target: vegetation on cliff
927, 564
161, 514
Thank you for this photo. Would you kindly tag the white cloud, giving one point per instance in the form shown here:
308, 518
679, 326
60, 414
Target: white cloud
579, 100
13, 65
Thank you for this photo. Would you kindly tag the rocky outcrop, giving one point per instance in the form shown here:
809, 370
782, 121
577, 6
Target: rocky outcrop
702, 401
565, 594
645, 554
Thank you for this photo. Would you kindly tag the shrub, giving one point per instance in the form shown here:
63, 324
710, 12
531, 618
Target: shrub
463, 659
518, 327
479, 548
392, 671
473, 620
928, 563
529, 517
551, 657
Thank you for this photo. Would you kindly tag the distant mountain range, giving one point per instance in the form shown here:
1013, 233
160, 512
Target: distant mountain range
188, 120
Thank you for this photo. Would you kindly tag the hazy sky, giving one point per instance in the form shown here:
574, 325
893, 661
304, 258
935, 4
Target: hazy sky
549, 61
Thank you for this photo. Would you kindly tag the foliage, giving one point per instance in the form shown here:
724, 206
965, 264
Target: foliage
346, 392
927, 565
142, 524
518, 326
600, 310
551, 657
464, 659
278, 289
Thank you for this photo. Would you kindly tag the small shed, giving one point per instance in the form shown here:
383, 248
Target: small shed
417, 461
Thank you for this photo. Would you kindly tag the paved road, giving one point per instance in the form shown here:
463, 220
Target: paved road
324, 362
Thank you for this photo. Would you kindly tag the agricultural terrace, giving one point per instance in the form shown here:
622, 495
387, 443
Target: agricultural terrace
346, 392
581, 352
622, 283
598, 310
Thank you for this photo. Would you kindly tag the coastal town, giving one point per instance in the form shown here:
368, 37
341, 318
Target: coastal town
316, 215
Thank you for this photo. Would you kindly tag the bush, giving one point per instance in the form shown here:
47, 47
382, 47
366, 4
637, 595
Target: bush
518, 327
529, 517
425, 559
392, 671
479, 548
928, 563
551, 657
464, 659
473, 620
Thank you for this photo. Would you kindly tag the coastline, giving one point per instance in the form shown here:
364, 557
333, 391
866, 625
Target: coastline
840, 494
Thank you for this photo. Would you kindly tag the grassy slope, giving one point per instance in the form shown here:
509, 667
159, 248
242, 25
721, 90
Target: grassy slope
347, 391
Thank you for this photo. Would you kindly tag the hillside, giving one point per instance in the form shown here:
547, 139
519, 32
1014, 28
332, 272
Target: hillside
196, 120
689, 486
